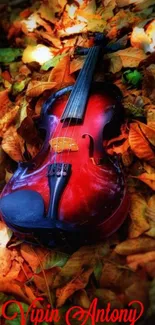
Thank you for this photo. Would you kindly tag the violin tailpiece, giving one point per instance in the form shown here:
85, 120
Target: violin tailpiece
58, 175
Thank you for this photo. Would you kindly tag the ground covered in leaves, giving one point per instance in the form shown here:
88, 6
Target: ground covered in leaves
123, 267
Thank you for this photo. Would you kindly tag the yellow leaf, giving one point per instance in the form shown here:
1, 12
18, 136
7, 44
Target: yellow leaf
60, 75
131, 57
148, 179
139, 145
115, 63
137, 245
13, 144
139, 222
36, 88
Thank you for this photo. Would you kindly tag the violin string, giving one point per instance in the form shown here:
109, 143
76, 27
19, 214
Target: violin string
64, 121
74, 110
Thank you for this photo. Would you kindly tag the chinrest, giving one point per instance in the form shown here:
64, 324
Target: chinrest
24, 210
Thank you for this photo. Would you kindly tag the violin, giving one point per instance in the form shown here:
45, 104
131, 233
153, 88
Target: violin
72, 192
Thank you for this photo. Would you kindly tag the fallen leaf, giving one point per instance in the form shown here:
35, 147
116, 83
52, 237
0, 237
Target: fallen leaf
133, 246
131, 57
36, 88
139, 222
138, 291
5, 103
139, 145
119, 277
106, 296
60, 75
52, 62
77, 64
42, 258
121, 20
77, 283
136, 260
81, 299
85, 256
9, 54
7, 120
13, 144
150, 112
5, 234
148, 84
42, 280
5, 258
148, 179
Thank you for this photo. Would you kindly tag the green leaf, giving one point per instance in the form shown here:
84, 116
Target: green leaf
52, 62
132, 77
18, 87
132, 110
9, 54
14, 308
98, 270
53, 259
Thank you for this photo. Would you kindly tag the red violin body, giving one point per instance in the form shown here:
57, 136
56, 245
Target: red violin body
94, 198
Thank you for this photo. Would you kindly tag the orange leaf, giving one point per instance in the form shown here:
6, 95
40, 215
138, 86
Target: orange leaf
36, 88
78, 283
13, 144
139, 145
148, 132
7, 119
61, 74
5, 102
148, 179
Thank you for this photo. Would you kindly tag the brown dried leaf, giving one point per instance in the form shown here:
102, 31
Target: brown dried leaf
80, 282
85, 256
139, 145
106, 296
133, 246
5, 258
138, 291
131, 57
36, 88
60, 75
148, 132
136, 260
148, 85
139, 222
42, 283
150, 112
8, 119
13, 144
119, 277
5, 103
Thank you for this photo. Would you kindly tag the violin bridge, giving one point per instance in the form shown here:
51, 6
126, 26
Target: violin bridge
61, 144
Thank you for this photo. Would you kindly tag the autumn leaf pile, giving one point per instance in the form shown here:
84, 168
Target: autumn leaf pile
123, 267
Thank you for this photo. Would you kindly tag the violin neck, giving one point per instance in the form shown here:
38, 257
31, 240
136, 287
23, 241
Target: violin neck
77, 101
